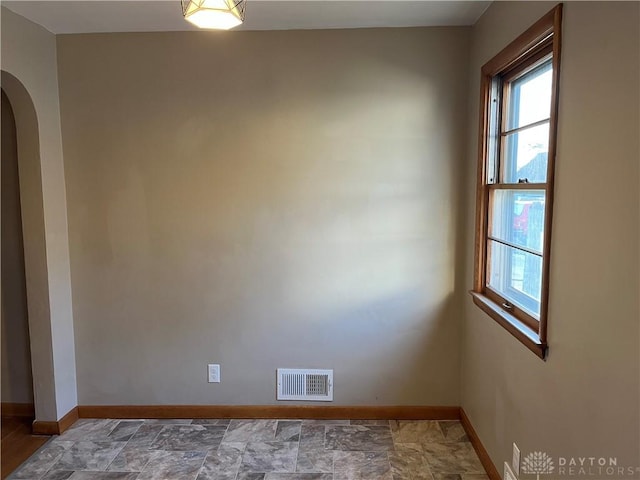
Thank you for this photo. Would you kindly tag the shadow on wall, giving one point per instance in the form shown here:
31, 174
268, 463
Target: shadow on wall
295, 206
422, 368
17, 381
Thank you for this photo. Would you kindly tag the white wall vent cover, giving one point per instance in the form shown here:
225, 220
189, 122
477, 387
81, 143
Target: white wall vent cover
304, 384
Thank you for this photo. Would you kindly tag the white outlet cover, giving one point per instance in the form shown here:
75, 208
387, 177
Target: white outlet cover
508, 473
213, 373
515, 461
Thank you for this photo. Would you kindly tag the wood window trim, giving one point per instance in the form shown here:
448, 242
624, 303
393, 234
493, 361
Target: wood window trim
533, 44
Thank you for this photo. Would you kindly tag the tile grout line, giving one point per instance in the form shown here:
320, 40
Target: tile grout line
333, 454
246, 444
295, 467
125, 444
195, 477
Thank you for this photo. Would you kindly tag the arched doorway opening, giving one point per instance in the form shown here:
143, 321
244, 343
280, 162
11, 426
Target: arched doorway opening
36, 281
17, 380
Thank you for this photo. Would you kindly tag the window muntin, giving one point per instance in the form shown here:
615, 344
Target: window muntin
534, 84
525, 107
516, 275
525, 155
517, 219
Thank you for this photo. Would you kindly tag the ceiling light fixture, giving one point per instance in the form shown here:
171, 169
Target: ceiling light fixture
218, 14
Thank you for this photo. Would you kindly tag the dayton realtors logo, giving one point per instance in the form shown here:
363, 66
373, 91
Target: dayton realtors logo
540, 463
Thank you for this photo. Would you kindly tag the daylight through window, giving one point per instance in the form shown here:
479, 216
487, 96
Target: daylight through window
515, 182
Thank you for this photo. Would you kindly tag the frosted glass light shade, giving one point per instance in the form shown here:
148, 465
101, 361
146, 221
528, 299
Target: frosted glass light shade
215, 14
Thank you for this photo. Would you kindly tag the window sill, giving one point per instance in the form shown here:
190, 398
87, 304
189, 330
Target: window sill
515, 327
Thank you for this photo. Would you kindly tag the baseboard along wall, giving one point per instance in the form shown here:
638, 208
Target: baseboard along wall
8, 409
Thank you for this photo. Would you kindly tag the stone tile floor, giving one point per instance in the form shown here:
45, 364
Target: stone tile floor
256, 450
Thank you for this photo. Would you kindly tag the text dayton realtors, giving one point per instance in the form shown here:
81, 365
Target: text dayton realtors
593, 466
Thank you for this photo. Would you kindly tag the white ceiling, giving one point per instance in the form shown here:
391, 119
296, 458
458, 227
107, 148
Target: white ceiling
152, 15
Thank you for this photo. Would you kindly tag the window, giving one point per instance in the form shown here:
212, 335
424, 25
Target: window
518, 122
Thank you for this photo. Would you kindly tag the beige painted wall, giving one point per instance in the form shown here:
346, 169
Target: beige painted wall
17, 383
584, 400
264, 200
29, 67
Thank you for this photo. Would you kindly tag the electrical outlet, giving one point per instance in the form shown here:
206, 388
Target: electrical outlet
515, 461
508, 473
214, 373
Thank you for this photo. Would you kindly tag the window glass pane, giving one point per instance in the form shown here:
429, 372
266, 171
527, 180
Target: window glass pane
516, 275
530, 97
517, 217
525, 155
